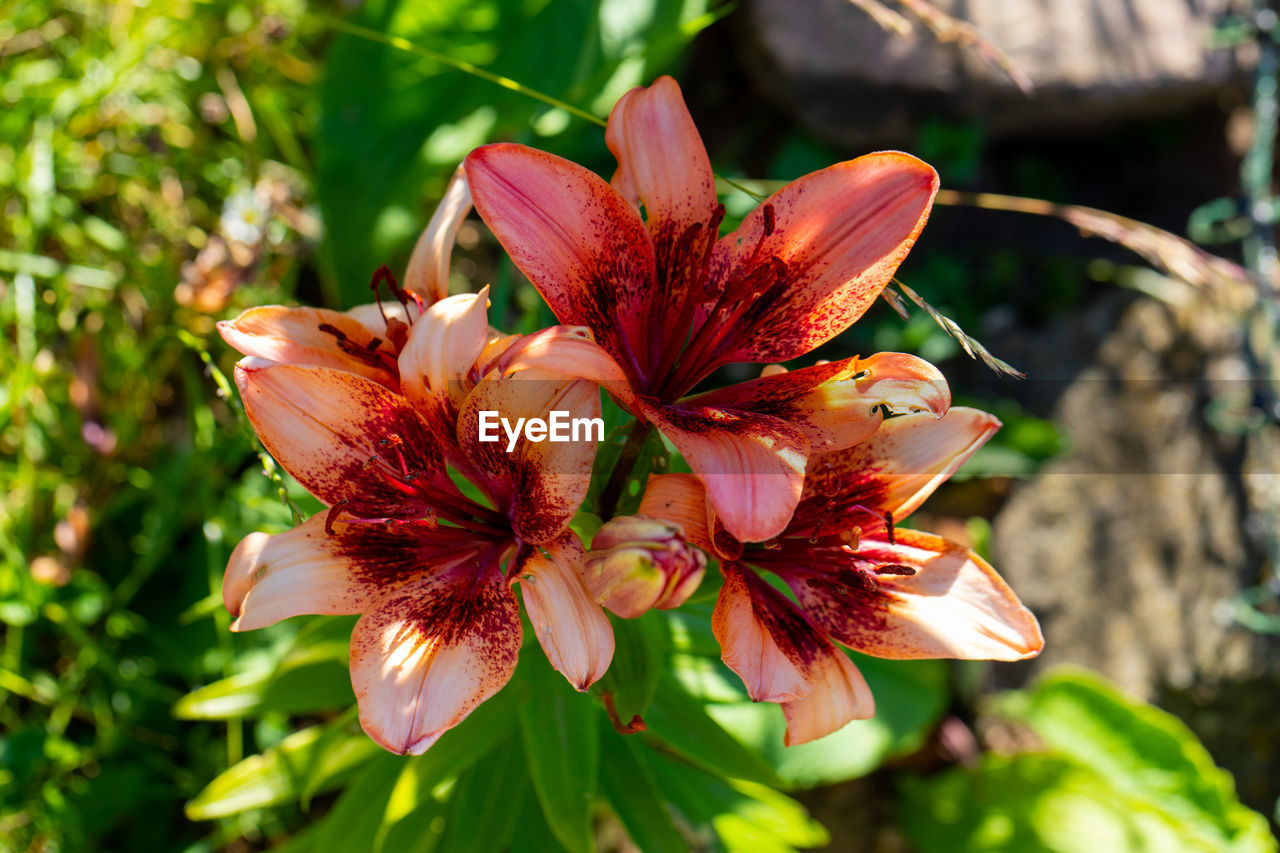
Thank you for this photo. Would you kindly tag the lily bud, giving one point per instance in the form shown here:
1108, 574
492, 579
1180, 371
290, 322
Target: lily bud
638, 562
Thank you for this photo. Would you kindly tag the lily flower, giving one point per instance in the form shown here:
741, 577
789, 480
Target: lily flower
367, 339
429, 567
671, 301
857, 578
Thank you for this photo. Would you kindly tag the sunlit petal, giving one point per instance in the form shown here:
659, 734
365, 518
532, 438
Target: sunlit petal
430, 653
572, 628
954, 606
428, 270
312, 336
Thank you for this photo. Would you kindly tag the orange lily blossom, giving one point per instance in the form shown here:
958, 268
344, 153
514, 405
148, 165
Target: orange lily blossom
367, 339
857, 577
402, 545
671, 301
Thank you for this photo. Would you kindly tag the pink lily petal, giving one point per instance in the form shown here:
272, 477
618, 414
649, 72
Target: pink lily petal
572, 628
841, 233
839, 404
897, 468
295, 336
325, 426
542, 482
442, 349
428, 270
662, 162
427, 655
955, 606
752, 465
307, 570
840, 695
764, 639
580, 243
570, 351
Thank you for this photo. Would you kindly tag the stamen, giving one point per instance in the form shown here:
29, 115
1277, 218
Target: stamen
888, 523
896, 569
770, 221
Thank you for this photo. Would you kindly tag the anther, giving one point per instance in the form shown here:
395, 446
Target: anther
332, 516
888, 524
333, 330
896, 569
822, 519
770, 221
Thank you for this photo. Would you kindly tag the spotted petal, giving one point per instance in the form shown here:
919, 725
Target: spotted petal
896, 469
839, 404
313, 571
428, 654
752, 465
580, 243
542, 483
841, 233
954, 606
441, 352
343, 437
312, 336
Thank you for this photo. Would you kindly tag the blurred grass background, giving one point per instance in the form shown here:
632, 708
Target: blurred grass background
163, 166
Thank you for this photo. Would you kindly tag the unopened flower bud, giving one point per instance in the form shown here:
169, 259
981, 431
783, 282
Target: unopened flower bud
637, 563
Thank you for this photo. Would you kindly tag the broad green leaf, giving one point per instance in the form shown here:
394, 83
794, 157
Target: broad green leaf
228, 698
304, 759
475, 737
353, 823
747, 817
632, 790
1040, 802
681, 721
639, 658
414, 820
486, 802
313, 676
558, 727
1142, 751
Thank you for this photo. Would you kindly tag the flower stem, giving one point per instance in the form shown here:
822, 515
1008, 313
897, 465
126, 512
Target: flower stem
626, 461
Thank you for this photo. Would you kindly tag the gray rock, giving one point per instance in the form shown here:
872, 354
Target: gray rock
1089, 60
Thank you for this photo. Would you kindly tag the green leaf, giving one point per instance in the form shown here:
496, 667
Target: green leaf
358, 814
225, 699
681, 721
639, 657
486, 802
318, 757
632, 790
394, 124
558, 727
745, 815
1141, 751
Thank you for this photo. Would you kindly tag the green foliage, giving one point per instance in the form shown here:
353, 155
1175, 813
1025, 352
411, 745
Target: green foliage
396, 124
1115, 775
